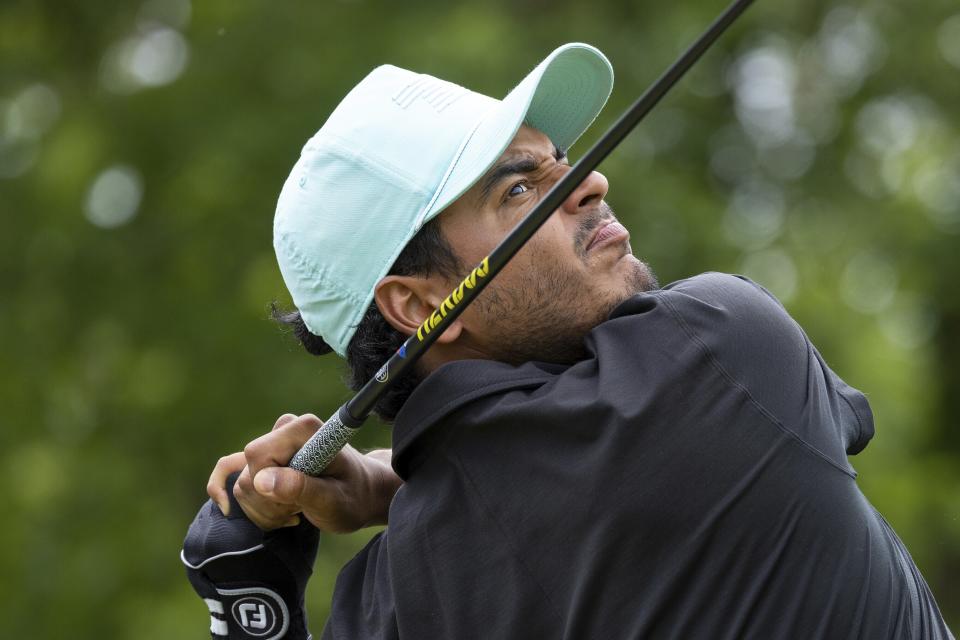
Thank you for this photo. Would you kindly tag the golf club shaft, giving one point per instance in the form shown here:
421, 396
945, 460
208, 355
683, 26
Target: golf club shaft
337, 431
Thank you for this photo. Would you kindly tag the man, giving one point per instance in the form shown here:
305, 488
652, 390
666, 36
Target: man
582, 454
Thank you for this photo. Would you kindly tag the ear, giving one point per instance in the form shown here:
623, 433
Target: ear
406, 301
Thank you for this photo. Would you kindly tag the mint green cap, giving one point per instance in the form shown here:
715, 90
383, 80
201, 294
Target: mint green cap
397, 151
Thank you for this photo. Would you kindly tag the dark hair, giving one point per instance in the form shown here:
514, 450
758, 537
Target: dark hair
375, 339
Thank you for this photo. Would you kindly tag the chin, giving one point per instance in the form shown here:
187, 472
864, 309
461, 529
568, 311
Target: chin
638, 277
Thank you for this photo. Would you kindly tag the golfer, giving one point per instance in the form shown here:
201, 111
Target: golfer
583, 453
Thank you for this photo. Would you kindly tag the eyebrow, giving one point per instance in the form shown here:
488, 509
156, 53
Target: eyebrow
510, 167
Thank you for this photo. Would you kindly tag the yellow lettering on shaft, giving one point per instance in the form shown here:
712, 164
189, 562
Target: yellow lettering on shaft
453, 299
447, 305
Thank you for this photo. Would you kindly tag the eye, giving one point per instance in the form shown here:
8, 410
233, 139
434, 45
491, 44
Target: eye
516, 190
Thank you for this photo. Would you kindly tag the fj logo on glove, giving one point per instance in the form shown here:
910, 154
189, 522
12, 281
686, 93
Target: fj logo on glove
254, 615
257, 613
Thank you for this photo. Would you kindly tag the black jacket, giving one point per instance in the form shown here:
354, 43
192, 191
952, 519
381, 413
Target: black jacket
688, 480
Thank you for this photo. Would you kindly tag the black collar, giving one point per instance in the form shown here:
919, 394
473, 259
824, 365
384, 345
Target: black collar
454, 384
416, 430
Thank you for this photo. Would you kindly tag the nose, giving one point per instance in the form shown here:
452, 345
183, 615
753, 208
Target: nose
587, 195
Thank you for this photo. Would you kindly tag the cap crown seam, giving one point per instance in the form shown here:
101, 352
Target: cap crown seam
374, 162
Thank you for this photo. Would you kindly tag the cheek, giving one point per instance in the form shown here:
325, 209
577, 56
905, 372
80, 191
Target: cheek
551, 248
472, 243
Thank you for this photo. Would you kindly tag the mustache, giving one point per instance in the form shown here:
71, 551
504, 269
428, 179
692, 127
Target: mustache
589, 223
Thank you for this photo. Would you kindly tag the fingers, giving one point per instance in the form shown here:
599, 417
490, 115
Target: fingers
330, 504
272, 495
216, 485
263, 511
277, 447
356, 494
282, 420
282, 484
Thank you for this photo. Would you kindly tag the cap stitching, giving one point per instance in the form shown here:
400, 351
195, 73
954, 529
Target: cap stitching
311, 269
376, 163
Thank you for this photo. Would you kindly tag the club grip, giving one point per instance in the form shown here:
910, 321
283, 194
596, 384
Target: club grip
324, 445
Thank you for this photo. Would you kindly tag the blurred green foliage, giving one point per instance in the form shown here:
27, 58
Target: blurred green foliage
142, 147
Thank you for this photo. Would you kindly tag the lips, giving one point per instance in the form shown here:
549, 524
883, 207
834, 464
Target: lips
606, 233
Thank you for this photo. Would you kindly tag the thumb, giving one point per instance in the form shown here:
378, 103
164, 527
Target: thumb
281, 484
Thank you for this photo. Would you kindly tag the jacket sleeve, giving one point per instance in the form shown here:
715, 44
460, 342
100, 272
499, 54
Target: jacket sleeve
752, 340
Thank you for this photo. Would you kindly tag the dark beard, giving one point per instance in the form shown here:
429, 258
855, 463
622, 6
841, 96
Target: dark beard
553, 325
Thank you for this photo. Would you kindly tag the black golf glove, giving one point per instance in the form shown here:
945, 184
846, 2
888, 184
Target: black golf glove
252, 581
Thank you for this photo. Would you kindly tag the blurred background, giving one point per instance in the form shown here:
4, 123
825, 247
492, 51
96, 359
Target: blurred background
816, 149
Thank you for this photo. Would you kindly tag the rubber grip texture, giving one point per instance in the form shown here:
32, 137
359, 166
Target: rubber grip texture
323, 446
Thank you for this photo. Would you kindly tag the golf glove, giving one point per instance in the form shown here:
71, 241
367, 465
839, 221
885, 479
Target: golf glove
252, 581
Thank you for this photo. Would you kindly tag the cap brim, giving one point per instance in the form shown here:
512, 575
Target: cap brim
561, 97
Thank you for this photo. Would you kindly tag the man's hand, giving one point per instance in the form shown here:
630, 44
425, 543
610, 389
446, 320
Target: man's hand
354, 492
